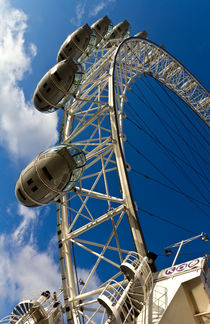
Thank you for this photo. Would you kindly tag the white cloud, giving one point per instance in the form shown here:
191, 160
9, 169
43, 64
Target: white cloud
92, 9
23, 130
93, 284
99, 7
94, 281
79, 13
24, 270
52, 248
29, 216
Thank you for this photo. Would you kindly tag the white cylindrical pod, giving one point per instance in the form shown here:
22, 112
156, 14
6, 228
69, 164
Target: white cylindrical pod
57, 85
102, 27
75, 44
50, 175
142, 34
120, 30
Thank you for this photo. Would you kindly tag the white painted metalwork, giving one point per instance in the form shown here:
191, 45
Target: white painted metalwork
180, 244
167, 305
118, 304
137, 269
45, 309
90, 217
124, 302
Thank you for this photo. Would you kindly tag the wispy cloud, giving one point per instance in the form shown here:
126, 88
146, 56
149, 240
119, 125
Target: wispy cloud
29, 217
84, 9
99, 7
94, 282
23, 130
79, 13
24, 269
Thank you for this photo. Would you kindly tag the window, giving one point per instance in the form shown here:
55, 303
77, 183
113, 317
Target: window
61, 56
21, 194
47, 173
48, 90
77, 38
44, 85
38, 97
98, 27
57, 76
30, 181
34, 188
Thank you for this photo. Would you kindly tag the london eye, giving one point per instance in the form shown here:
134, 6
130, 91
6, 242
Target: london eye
87, 174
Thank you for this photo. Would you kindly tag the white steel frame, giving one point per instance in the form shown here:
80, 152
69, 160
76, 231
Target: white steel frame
93, 121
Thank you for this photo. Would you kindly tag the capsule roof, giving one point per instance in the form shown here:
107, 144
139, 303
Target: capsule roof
102, 27
76, 43
120, 30
56, 85
51, 174
142, 34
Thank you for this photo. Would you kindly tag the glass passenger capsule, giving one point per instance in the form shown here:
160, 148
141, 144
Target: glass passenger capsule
79, 42
50, 175
120, 30
103, 28
58, 85
142, 34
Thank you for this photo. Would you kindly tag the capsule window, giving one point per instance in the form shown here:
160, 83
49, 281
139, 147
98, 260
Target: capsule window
57, 76
30, 181
67, 45
38, 97
77, 38
21, 194
34, 188
44, 85
69, 50
48, 90
119, 29
47, 173
61, 56
98, 27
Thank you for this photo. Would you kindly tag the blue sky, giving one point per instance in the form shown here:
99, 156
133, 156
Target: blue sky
31, 33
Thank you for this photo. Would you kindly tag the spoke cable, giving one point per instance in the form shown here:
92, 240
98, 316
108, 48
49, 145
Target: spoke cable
172, 120
158, 142
165, 176
167, 186
178, 165
165, 124
148, 84
166, 220
185, 115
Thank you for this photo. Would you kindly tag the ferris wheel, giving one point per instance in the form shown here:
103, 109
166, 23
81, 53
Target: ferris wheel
86, 175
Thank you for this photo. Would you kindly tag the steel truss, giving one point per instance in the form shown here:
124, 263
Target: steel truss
91, 217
